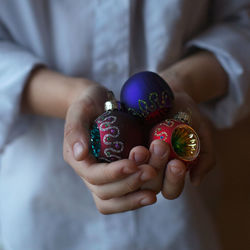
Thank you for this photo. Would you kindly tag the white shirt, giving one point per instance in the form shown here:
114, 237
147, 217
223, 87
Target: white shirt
44, 204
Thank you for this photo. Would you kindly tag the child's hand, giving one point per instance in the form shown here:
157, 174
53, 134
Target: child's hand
172, 178
80, 101
176, 170
115, 186
159, 162
196, 78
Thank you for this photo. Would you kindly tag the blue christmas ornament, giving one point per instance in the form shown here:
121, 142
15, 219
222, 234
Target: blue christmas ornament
147, 95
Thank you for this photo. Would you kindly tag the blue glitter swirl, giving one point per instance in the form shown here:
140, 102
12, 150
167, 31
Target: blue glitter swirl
95, 140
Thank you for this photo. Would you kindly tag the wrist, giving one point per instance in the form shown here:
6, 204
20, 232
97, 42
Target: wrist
179, 81
77, 87
49, 93
199, 75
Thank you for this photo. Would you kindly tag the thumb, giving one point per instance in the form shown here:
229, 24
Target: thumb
76, 131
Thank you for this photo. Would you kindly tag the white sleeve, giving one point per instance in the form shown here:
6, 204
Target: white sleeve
228, 39
16, 64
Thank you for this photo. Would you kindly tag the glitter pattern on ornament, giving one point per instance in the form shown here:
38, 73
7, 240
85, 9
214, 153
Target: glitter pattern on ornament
115, 133
95, 140
115, 147
148, 96
183, 140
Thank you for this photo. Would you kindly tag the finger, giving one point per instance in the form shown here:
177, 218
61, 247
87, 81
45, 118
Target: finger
174, 179
139, 155
159, 154
206, 160
125, 186
76, 132
159, 157
125, 203
103, 173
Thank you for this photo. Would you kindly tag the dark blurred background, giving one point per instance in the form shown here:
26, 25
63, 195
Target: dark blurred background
231, 186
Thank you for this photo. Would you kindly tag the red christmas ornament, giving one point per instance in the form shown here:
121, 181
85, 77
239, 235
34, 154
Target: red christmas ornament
183, 140
115, 133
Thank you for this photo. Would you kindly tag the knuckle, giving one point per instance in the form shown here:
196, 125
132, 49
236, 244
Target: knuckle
88, 102
132, 185
88, 178
89, 186
133, 204
87, 105
116, 173
118, 166
102, 209
105, 212
109, 174
102, 195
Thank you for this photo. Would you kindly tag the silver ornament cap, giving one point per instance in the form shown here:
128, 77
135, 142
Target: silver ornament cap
183, 117
112, 103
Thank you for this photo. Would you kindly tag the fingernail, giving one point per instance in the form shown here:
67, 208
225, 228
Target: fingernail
159, 150
177, 171
145, 201
77, 150
145, 176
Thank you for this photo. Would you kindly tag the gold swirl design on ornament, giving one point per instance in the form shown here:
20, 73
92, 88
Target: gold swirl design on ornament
143, 106
134, 112
168, 123
162, 134
117, 146
164, 97
154, 103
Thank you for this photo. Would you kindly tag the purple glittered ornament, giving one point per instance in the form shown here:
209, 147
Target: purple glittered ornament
147, 95
115, 133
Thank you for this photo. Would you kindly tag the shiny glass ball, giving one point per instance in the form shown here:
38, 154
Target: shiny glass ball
148, 96
114, 134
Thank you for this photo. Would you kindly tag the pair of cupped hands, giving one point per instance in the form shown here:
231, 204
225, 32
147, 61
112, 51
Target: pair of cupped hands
130, 183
